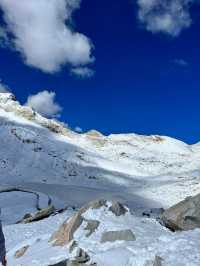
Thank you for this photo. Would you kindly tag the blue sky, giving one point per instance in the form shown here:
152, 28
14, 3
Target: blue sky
146, 78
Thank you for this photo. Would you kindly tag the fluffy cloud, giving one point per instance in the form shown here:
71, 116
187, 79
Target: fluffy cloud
3, 87
44, 103
82, 72
78, 129
40, 32
180, 62
166, 16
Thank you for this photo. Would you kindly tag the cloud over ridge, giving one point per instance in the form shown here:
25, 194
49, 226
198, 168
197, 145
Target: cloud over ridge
44, 103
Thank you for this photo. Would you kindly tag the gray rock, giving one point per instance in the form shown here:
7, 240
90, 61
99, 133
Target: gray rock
112, 236
82, 256
158, 261
184, 215
117, 208
97, 204
92, 226
62, 263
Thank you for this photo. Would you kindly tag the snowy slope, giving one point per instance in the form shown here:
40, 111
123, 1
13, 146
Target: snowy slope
35, 149
144, 172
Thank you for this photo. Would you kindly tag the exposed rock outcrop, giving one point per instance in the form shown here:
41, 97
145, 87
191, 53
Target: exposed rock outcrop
42, 214
184, 215
92, 226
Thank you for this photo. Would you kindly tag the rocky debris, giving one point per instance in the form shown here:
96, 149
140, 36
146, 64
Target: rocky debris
66, 232
92, 226
158, 261
184, 215
112, 236
72, 263
19, 253
72, 246
153, 213
97, 204
117, 208
81, 256
62, 263
81, 259
42, 214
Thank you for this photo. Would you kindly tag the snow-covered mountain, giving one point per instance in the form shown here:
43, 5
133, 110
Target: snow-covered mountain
42, 155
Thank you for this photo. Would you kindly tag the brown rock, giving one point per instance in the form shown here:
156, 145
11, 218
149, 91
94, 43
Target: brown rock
21, 252
42, 214
66, 232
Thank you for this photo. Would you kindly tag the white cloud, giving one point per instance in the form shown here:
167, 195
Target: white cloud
3, 87
41, 33
44, 103
78, 129
82, 72
165, 16
180, 62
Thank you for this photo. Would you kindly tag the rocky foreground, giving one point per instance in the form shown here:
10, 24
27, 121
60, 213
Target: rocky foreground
106, 233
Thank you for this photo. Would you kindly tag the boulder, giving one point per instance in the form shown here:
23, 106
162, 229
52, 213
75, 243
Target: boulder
66, 232
118, 209
19, 253
123, 235
184, 215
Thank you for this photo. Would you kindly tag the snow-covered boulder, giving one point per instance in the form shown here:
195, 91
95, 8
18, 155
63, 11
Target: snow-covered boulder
184, 215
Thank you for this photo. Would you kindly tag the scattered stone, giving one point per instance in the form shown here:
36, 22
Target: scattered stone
118, 209
158, 261
82, 256
184, 215
21, 252
62, 263
112, 236
92, 226
27, 216
73, 245
97, 204
42, 214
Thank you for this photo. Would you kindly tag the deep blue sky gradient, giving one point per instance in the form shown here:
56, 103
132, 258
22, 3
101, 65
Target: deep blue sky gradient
136, 88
